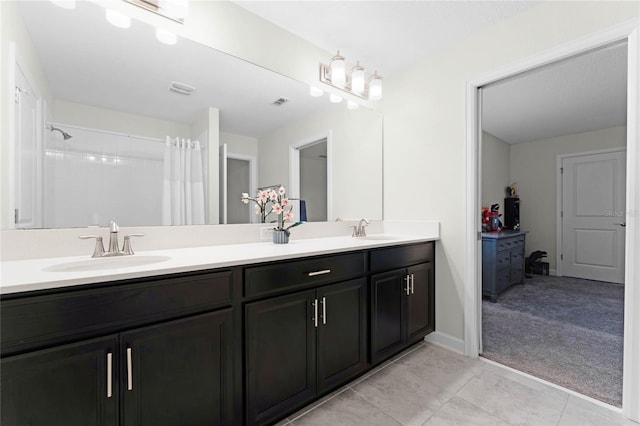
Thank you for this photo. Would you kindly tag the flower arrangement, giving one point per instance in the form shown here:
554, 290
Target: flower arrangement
273, 201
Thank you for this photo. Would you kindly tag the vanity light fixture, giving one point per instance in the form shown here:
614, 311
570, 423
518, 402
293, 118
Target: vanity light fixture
118, 19
353, 82
166, 37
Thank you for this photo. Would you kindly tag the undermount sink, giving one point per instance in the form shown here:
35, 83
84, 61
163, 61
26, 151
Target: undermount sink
102, 263
378, 237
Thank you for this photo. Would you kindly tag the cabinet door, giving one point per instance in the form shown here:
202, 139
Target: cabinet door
342, 332
67, 385
178, 372
280, 355
420, 303
388, 291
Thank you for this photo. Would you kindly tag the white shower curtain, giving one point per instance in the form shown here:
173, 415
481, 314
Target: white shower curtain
183, 187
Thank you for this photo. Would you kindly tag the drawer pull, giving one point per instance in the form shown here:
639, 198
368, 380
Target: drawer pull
407, 290
411, 283
323, 272
109, 375
129, 371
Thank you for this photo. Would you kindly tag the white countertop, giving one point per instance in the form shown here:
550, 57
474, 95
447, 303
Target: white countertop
48, 273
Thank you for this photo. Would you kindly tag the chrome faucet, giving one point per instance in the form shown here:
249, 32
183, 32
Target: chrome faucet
114, 248
359, 230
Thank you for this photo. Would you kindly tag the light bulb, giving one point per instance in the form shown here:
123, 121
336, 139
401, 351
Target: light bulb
375, 87
65, 4
357, 79
118, 19
166, 37
338, 70
315, 91
335, 99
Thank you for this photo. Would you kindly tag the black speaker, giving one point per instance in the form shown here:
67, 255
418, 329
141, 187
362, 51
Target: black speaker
512, 213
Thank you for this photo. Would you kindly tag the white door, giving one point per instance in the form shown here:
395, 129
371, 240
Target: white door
238, 181
28, 156
593, 216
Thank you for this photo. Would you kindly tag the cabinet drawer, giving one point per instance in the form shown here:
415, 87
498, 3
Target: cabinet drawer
290, 275
510, 243
35, 321
397, 257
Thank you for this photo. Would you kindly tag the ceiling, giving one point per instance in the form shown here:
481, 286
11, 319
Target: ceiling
579, 95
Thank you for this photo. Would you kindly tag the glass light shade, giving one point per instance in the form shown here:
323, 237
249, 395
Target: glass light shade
315, 91
65, 4
166, 37
335, 99
338, 70
352, 105
357, 79
118, 19
375, 88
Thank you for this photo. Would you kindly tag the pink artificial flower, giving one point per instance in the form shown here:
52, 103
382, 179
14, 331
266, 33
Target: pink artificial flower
273, 195
281, 190
277, 208
263, 196
288, 215
284, 202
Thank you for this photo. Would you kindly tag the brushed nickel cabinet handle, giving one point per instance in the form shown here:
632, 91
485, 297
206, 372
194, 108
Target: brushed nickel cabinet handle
315, 313
129, 370
412, 281
324, 310
323, 272
109, 375
407, 289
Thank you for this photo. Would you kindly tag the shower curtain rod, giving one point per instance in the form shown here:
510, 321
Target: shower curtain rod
109, 132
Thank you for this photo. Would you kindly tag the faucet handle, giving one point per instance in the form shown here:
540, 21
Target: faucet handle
355, 230
113, 227
98, 250
126, 248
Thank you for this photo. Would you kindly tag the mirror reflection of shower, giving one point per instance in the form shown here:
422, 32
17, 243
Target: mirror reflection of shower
65, 135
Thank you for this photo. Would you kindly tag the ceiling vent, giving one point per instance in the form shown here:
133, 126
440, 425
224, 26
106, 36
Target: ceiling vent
181, 88
280, 101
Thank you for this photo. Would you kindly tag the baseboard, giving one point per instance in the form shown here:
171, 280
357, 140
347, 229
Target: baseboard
446, 341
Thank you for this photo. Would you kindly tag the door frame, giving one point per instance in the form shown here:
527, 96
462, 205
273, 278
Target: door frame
560, 197
627, 31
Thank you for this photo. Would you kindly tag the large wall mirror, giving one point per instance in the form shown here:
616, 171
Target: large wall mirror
103, 115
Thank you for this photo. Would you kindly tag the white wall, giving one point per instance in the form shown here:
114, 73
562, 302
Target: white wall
495, 170
240, 144
12, 29
355, 154
425, 124
533, 167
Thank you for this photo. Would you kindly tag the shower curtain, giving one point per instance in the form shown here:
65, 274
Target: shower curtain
183, 187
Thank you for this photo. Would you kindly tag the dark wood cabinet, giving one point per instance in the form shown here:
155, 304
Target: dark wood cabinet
66, 385
177, 373
402, 300
172, 371
302, 344
240, 345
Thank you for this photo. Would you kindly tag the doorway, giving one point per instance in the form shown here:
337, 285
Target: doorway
472, 301
310, 165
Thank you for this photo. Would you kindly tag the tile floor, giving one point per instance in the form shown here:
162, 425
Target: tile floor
429, 385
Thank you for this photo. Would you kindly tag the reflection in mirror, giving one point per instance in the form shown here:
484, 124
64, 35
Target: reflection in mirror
106, 112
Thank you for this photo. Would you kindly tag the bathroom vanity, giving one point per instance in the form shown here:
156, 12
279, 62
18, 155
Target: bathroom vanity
245, 342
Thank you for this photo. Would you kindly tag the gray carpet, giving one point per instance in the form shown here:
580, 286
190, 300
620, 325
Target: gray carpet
567, 331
